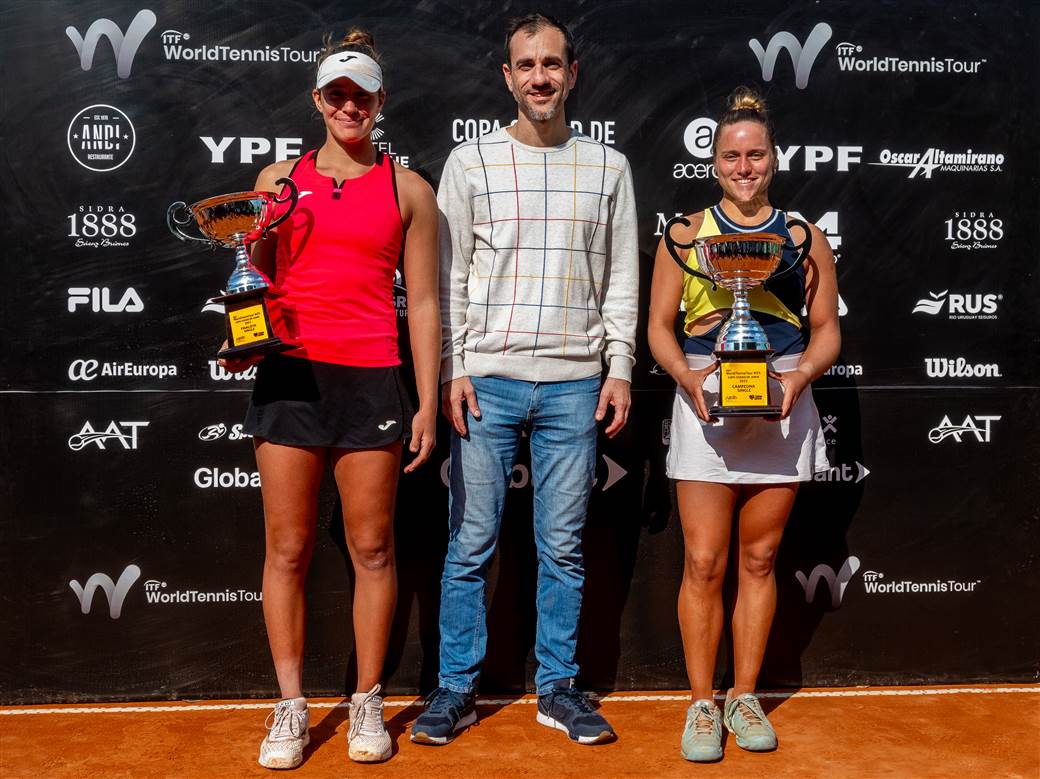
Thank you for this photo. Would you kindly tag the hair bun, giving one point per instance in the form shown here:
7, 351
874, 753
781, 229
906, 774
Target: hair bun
358, 37
746, 99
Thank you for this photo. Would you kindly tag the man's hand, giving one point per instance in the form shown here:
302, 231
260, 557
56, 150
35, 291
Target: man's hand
616, 393
424, 438
453, 394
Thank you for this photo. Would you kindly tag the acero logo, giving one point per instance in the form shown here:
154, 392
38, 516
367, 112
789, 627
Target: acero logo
115, 592
99, 299
960, 305
802, 57
978, 426
101, 138
836, 581
123, 432
124, 47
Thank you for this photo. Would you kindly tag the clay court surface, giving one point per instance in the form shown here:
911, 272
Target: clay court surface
962, 732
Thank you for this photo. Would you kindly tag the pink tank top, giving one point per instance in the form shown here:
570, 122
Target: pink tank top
336, 258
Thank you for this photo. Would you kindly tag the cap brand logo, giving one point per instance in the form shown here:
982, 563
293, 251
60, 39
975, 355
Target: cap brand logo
124, 47
802, 57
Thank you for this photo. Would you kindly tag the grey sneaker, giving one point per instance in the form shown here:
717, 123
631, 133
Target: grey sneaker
367, 739
287, 734
446, 714
702, 736
745, 719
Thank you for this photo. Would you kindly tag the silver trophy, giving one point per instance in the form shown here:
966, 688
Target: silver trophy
235, 221
739, 262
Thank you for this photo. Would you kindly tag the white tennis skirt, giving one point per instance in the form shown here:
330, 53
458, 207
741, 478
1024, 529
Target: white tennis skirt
745, 450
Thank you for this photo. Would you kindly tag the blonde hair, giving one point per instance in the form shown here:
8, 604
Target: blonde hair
744, 104
356, 39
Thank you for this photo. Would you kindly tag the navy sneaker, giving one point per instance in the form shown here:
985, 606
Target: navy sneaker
566, 708
446, 714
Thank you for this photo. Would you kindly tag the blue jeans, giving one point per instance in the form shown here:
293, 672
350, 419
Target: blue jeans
560, 417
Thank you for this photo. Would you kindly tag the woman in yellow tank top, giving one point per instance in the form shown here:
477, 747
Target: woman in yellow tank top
745, 466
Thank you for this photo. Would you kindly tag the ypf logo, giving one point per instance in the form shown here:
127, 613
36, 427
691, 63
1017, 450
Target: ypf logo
124, 47
802, 57
115, 591
249, 148
101, 138
837, 581
978, 426
125, 433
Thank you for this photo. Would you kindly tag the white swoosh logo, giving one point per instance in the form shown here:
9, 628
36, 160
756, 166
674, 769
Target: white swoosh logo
386, 425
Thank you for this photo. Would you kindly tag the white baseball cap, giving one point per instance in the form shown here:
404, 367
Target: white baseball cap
359, 68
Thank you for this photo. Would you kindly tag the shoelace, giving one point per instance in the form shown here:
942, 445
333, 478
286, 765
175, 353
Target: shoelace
287, 721
748, 712
573, 698
442, 701
703, 723
366, 713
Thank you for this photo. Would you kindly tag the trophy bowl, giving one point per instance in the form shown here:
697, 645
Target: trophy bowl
740, 259
234, 218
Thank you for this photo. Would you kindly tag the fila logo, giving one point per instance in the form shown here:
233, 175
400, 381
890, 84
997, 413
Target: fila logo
124, 47
836, 582
100, 300
114, 591
802, 57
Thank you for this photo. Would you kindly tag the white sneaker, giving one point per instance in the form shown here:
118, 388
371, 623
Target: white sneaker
367, 739
287, 734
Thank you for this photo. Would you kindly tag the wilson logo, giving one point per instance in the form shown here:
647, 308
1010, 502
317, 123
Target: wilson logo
945, 367
123, 46
115, 592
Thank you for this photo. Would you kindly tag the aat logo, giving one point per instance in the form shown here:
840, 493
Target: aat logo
979, 427
124, 46
122, 433
115, 591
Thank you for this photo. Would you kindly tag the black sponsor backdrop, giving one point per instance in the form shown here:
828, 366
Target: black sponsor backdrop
930, 546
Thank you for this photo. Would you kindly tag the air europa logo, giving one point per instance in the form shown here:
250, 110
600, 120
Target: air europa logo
90, 369
124, 47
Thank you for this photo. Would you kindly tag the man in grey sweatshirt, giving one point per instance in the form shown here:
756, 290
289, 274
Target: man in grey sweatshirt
539, 289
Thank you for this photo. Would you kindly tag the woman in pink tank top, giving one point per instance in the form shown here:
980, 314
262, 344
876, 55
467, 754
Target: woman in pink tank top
338, 397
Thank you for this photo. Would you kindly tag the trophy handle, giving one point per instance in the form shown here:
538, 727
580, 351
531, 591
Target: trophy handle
178, 215
802, 249
671, 244
293, 197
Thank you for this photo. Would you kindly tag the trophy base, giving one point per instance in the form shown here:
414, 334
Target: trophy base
272, 346
744, 411
744, 385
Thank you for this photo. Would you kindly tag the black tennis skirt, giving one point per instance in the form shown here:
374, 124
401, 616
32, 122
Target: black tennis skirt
300, 402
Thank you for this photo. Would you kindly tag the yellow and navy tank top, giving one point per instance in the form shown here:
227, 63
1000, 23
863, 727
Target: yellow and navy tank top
776, 309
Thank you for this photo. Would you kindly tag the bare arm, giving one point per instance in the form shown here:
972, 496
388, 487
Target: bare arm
420, 215
263, 252
665, 294
821, 302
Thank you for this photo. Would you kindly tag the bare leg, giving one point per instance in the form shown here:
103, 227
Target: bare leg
290, 477
763, 515
706, 512
367, 481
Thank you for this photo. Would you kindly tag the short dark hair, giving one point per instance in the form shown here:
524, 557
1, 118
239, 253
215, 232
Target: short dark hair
531, 24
